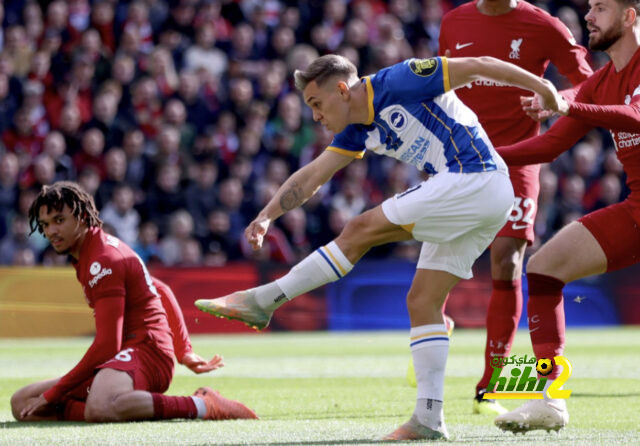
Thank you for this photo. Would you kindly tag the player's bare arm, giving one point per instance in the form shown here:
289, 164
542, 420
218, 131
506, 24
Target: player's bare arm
295, 191
464, 70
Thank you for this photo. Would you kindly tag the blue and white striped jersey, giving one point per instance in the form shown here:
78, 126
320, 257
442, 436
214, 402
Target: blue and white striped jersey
415, 118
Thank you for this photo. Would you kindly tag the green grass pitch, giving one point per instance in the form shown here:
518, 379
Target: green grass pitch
339, 388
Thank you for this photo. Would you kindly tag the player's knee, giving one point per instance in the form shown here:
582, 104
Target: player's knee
418, 302
17, 404
509, 265
99, 411
355, 232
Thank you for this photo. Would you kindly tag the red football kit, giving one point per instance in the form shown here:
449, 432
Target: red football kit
609, 99
139, 324
528, 37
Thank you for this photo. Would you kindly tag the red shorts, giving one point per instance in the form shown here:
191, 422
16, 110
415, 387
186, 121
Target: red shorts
526, 186
617, 232
150, 368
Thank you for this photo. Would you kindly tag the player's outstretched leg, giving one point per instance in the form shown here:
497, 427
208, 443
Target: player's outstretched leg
254, 307
548, 415
221, 408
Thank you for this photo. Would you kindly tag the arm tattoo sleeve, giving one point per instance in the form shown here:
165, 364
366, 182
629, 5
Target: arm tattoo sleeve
292, 197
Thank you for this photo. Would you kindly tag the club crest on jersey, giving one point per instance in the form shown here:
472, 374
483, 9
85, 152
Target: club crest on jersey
95, 268
398, 119
515, 48
424, 67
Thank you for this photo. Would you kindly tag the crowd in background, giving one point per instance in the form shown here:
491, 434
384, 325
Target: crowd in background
181, 118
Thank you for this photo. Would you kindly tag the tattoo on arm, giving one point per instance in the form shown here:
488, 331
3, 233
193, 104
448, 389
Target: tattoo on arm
292, 197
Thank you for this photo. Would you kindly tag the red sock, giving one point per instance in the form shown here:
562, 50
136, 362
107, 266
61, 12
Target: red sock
503, 315
73, 411
546, 317
168, 407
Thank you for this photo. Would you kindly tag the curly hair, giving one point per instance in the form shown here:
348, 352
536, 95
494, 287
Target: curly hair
58, 194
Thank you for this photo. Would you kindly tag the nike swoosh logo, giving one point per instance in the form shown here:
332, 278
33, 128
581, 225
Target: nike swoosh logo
516, 226
463, 45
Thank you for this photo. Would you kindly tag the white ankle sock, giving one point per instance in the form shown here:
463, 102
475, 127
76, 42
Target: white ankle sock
429, 348
324, 265
200, 406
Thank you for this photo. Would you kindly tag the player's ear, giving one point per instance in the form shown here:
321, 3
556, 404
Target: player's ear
630, 16
343, 89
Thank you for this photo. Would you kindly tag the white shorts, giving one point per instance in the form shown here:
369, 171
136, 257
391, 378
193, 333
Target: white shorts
455, 215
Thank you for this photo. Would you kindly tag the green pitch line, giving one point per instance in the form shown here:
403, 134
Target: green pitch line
346, 388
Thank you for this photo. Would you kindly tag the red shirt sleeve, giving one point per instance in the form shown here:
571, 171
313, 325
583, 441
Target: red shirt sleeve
623, 118
181, 340
109, 316
546, 147
569, 57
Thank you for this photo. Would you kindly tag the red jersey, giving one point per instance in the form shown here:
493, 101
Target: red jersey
526, 36
127, 306
608, 99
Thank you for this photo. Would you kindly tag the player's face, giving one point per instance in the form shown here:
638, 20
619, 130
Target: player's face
328, 105
63, 230
605, 24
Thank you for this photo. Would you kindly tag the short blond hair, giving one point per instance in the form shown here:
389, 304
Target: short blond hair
324, 68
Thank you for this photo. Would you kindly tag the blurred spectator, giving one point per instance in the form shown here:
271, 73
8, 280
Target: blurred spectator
230, 197
105, 109
139, 166
137, 23
115, 165
17, 239
163, 71
8, 103
201, 194
218, 244
147, 244
9, 171
21, 139
165, 197
191, 253
204, 54
89, 179
147, 107
197, 111
91, 153
180, 232
54, 146
102, 15
120, 214
18, 48
175, 114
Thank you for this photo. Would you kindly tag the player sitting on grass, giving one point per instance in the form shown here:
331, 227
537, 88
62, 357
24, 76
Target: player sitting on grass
405, 112
130, 363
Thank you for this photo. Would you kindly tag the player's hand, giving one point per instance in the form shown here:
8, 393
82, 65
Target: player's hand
533, 109
551, 99
447, 53
199, 365
256, 231
33, 406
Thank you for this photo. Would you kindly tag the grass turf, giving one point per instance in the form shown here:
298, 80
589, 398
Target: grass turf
339, 388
